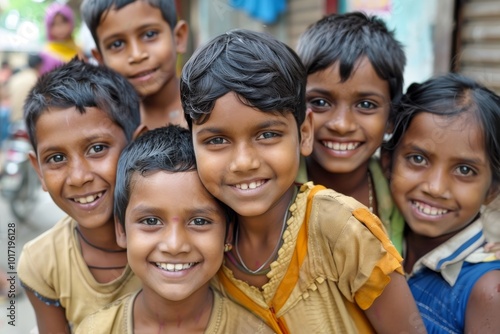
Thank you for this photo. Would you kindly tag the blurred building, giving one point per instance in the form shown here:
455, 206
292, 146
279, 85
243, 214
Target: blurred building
439, 36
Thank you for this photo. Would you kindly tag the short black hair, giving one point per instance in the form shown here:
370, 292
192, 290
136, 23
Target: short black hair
345, 38
450, 95
265, 74
168, 148
94, 10
82, 85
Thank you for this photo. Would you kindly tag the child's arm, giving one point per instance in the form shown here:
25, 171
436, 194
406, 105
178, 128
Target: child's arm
50, 319
395, 310
481, 315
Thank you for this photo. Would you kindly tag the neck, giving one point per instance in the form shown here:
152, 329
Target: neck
156, 110
353, 184
152, 311
101, 237
267, 225
417, 246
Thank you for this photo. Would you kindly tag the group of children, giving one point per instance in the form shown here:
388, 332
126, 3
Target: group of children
262, 215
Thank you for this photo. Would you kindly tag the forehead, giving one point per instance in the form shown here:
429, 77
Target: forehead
457, 135
128, 18
181, 191
63, 124
230, 113
363, 78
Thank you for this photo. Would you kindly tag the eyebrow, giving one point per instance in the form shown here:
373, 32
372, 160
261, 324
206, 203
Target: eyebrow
144, 209
263, 125
121, 33
469, 161
359, 93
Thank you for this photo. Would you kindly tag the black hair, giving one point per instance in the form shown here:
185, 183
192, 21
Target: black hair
265, 74
81, 85
93, 12
168, 148
451, 95
346, 38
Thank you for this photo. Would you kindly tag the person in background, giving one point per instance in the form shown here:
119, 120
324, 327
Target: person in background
60, 46
140, 39
20, 85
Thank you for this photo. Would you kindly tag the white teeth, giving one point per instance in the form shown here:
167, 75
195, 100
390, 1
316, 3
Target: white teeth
340, 146
88, 199
251, 185
174, 266
429, 210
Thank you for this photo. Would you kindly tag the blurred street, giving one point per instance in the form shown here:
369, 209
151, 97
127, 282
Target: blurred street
44, 215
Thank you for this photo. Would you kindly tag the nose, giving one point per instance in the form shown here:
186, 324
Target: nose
137, 52
341, 120
245, 158
175, 239
79, 173
437, 183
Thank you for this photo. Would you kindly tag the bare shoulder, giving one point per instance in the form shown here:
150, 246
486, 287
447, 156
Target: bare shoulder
484, 303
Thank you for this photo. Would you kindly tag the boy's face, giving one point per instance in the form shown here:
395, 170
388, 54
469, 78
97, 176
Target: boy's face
247, 158
138, 43
441, 173
174, 234
76, 160
350, 118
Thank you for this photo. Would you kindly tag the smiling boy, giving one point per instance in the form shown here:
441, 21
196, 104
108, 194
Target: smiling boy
141, 40
79, 119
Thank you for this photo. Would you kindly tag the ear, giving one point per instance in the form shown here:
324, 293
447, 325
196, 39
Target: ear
121, 237
181, 32
141, 129
97, 55
36, 167
307, 134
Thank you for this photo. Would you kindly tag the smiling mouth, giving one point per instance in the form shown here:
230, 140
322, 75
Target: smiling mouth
336, 146
143, 74
88, 199
428, 210
173, 267
251, 185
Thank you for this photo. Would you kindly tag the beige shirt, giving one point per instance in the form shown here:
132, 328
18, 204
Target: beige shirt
52, 266
347, 266
226, 318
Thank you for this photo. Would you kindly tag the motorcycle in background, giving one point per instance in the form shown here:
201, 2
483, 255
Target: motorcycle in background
19, 183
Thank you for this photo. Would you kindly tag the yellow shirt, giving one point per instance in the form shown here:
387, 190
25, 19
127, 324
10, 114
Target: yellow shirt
52, 266
334, 262
226, 317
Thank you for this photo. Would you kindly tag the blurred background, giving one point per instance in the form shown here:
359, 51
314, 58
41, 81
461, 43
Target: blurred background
458, 35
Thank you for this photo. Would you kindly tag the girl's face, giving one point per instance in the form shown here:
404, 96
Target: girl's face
60, 29
441, 173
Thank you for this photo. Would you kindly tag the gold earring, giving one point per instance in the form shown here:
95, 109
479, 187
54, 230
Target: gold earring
227, 247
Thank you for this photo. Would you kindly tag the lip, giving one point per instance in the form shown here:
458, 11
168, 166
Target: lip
143, 75
175, 274
346, 148
92, 205
249, 187
434, 211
